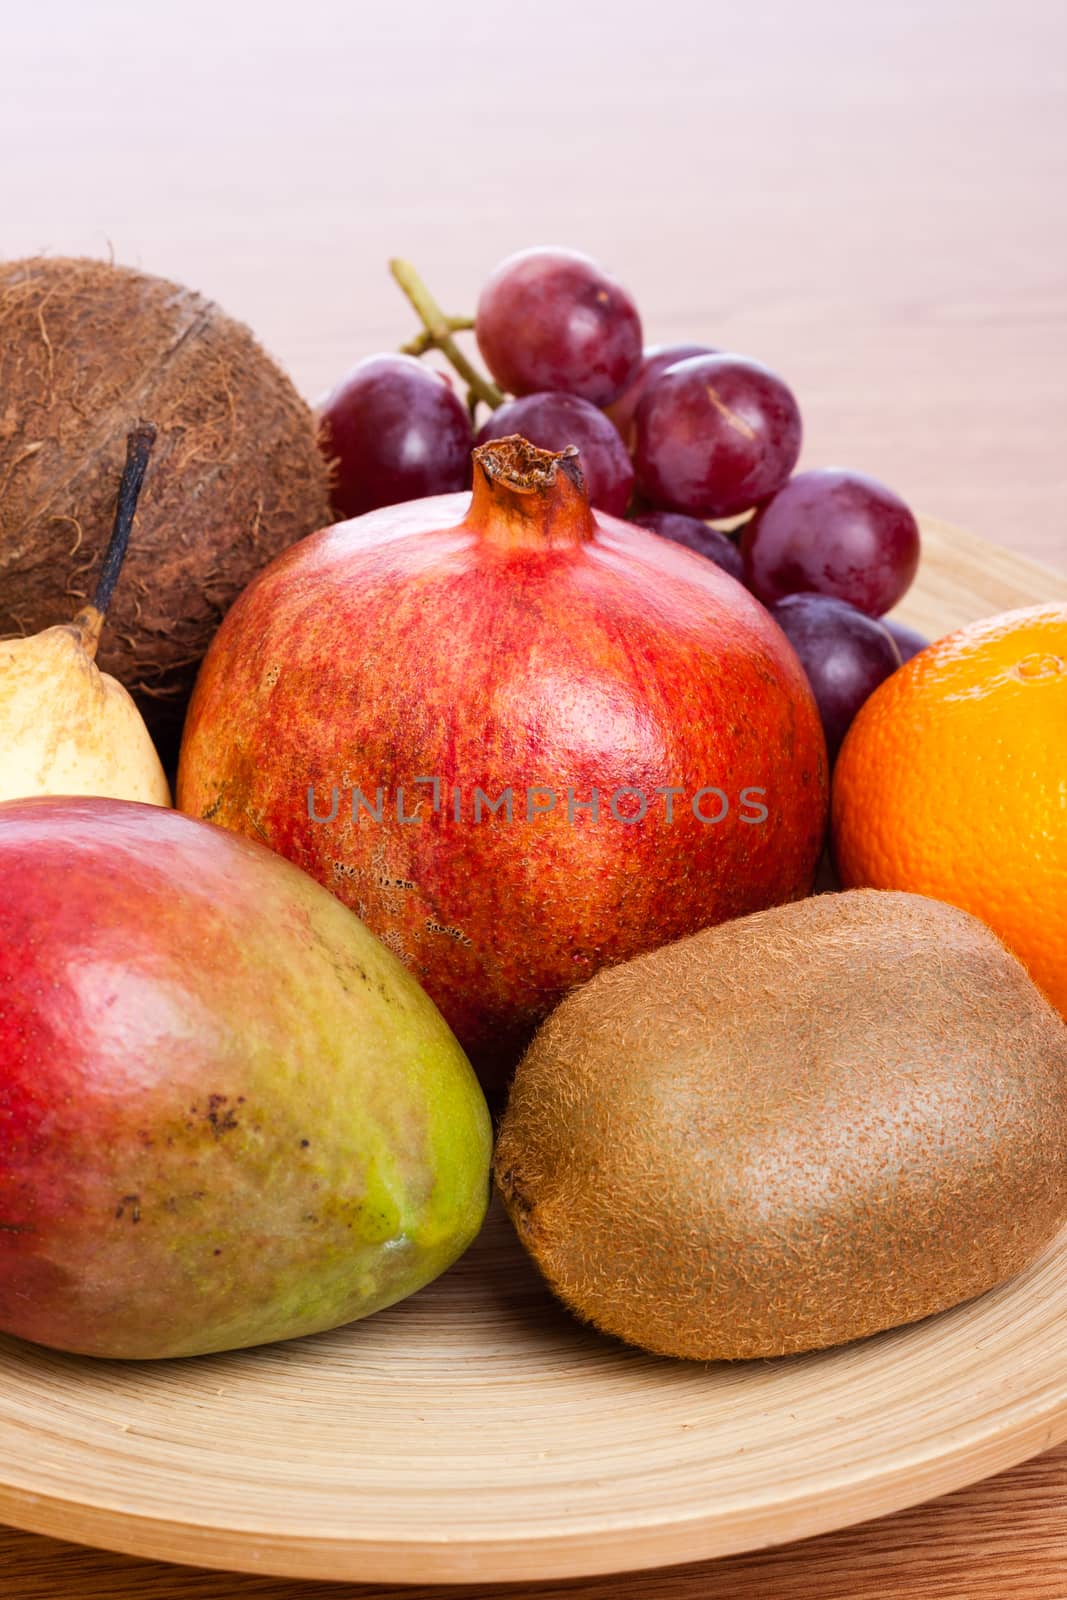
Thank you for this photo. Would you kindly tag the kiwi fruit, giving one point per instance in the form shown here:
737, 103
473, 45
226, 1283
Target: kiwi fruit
791, 1130
87, 348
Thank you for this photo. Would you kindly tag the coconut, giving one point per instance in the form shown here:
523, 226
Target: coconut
85, 349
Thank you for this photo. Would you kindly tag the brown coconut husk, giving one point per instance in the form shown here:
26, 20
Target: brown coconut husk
86, 348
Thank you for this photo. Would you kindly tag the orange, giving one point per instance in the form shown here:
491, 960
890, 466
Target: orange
952, 782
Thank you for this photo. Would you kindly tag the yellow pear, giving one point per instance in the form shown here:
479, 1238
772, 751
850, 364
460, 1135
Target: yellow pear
65, 726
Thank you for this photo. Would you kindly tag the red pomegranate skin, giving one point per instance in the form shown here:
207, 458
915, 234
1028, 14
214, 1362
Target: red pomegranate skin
512, 639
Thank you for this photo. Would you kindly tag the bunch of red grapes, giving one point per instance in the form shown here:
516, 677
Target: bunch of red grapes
668, 436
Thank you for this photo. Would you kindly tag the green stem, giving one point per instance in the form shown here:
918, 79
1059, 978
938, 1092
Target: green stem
425, 340
439, 331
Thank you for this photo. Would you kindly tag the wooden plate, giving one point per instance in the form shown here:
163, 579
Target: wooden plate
476, 1433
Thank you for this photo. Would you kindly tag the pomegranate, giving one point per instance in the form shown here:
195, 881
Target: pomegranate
519, 738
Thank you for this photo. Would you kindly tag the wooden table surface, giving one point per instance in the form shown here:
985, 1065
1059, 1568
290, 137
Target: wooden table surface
868, 199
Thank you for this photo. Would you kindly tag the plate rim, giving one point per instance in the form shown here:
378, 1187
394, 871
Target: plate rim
636, 1545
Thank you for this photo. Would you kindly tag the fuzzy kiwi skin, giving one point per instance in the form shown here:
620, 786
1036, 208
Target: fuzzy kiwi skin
792, 1130
236, 475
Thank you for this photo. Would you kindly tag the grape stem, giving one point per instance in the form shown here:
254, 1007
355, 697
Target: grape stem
439, 331
425, 340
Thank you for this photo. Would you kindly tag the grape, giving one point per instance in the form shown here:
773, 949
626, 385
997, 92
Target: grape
907, 641
845, 653
695, 535
656, 359
552, 319
553, 421
715, 435
398, 431
837, 533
